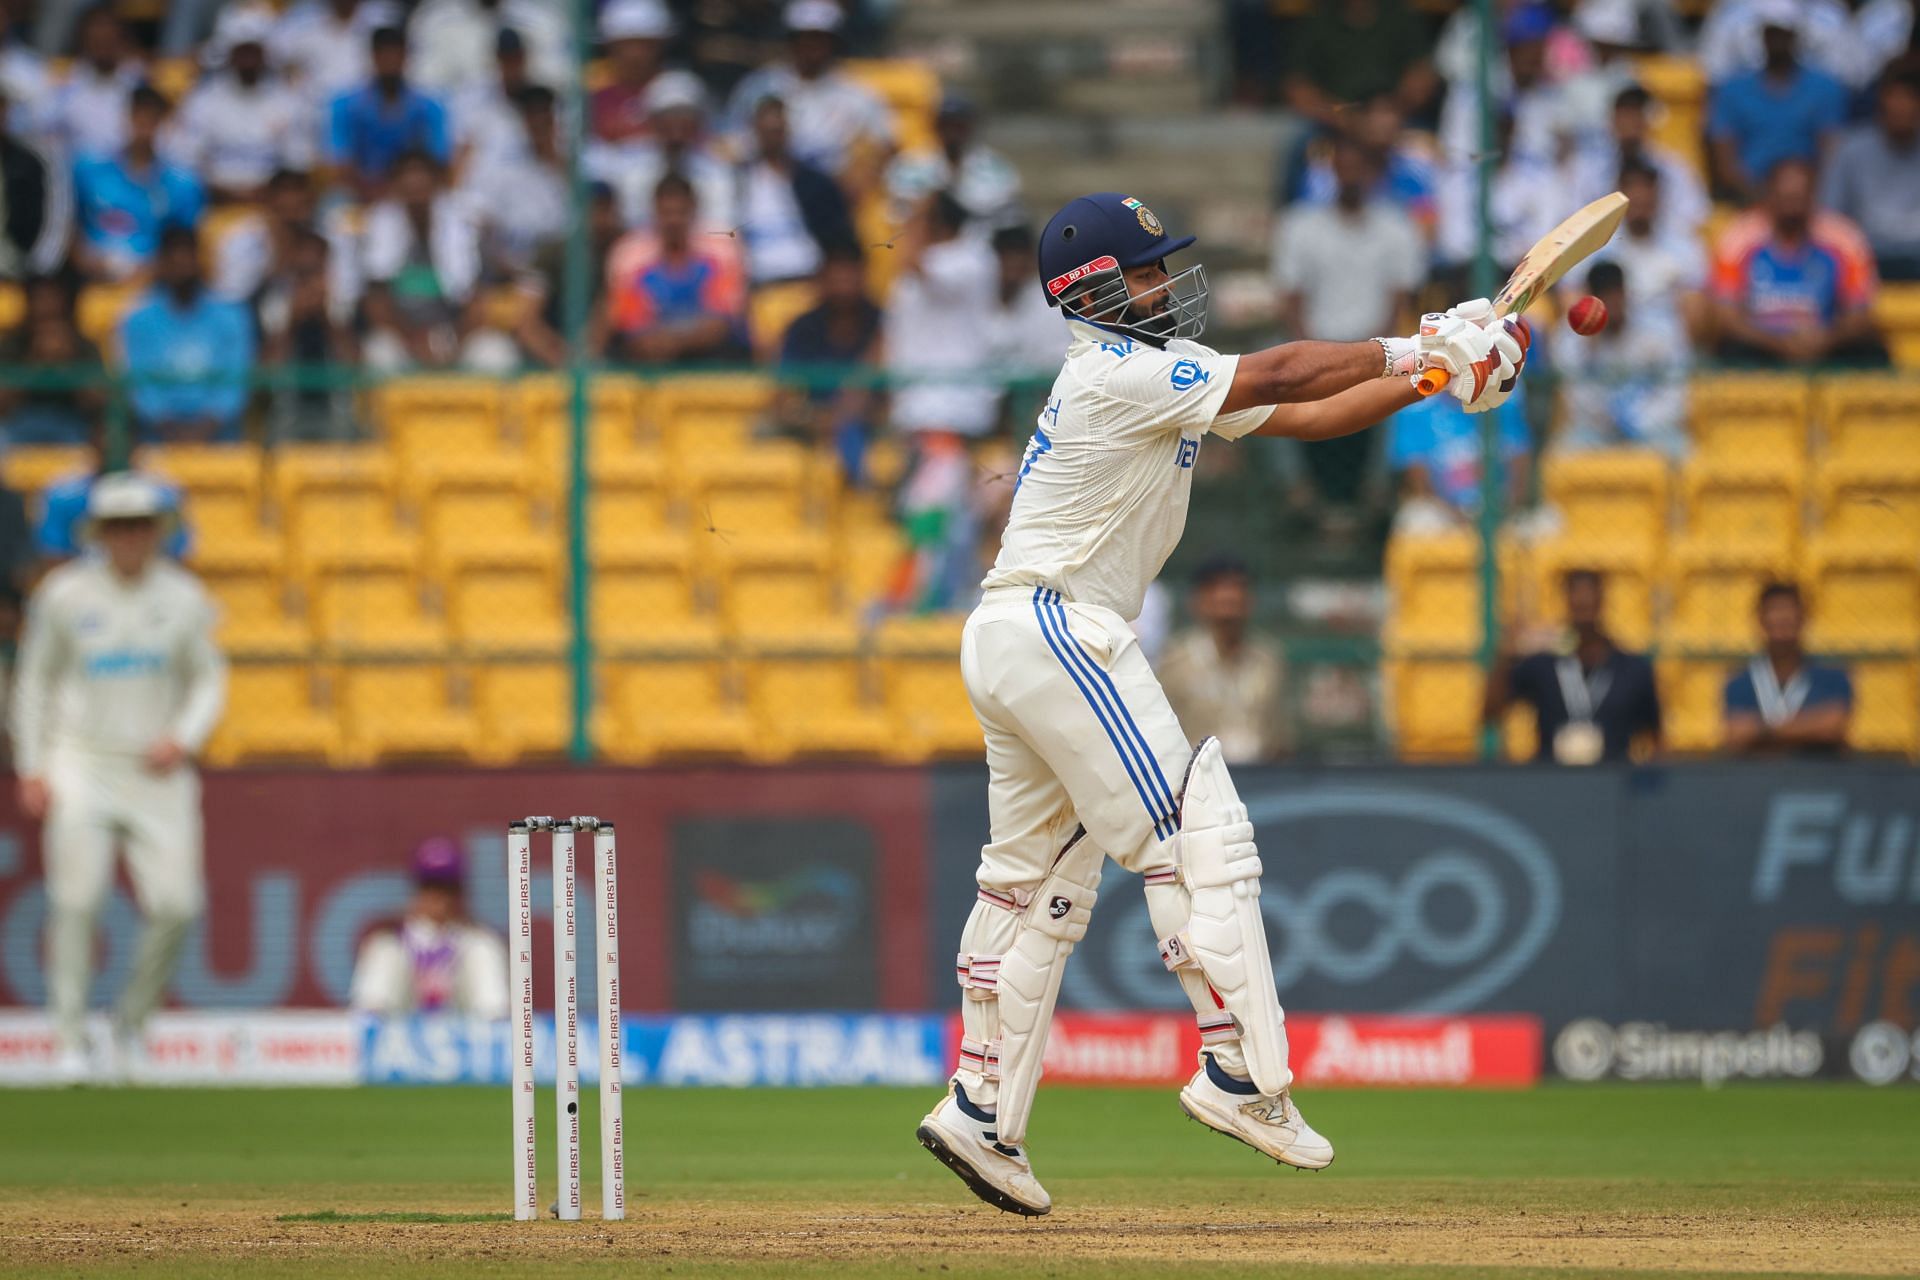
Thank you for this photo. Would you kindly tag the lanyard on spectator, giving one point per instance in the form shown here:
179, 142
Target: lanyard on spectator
1777, 705
1582, 693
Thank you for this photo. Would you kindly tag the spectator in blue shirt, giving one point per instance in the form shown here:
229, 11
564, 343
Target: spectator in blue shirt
125, 200
63, 509
189, 353
1784, 111
372, 127
1783, 703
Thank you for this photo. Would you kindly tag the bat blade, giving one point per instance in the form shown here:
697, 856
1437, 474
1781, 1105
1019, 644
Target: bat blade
1562, 249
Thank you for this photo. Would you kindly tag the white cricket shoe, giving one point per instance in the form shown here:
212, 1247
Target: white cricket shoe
961, 1137
126, 1056
1270, 1124
72, 1065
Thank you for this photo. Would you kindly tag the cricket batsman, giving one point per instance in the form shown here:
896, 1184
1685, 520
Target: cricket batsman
119, 684
1086, 760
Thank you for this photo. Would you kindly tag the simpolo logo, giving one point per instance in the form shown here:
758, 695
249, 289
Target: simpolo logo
1882, 1053
1589, 1049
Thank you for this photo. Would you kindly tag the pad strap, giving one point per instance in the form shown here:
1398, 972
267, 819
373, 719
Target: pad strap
1176, 952
1014, 900
1217, 1027
979, 975
981, 1056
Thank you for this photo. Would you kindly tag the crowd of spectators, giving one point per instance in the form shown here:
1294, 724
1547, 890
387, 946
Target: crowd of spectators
1766, 248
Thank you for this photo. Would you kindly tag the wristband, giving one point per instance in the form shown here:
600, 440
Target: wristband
1399, 357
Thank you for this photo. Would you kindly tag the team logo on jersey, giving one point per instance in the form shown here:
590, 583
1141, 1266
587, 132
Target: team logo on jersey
1187, 374
1189, 450
1148, 223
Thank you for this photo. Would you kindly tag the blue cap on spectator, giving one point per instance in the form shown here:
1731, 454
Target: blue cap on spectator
438, 861
1528, 23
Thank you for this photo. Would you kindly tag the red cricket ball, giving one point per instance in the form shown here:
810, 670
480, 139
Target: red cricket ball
1587, 316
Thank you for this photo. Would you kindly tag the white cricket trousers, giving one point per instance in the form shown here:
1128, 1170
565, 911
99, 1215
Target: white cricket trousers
100, 800
1079, 734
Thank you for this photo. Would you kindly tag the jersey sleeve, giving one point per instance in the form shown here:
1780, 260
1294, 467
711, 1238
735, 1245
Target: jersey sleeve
1150, 392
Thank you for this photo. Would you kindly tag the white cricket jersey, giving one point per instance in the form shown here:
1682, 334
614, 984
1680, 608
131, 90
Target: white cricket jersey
1101, 499
111, 666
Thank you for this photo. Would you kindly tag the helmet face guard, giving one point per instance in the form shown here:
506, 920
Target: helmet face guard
1101, 298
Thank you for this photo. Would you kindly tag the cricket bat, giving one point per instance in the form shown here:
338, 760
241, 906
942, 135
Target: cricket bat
1552, 256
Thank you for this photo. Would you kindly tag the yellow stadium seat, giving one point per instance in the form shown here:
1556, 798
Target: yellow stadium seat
1692, 704
1628, 570
303, 469
443, 428
100, 308
1874, 502
344, 531
1680, 87
13, 305
1866, 597
751, 496
1886, 706
375, 611
271, 714
919, 660
911, 90
1897, 308
1616, 494
495, 610
704, 415
631, 512
872, 562
1434, 707
30, 468
813, 703
675, 707
1872, 420
1519, 734
222, 484
1755, 499
772, 591
1716, 587
1749, 415
484, 524
620, 423
255, 617
651, 607
772, 309
1434, 584
525, 709
403, 710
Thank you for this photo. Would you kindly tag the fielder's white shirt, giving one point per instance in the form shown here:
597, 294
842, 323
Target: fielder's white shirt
1103, 487
111, 667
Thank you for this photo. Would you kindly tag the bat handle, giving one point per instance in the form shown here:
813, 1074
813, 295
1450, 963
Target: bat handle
1430, 381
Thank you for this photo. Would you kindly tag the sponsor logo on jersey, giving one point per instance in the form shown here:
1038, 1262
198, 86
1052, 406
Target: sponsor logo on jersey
1187, 374
1059, 284
1189, 450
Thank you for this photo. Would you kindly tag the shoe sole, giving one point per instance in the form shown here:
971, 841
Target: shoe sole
930, 1139
1194, 1115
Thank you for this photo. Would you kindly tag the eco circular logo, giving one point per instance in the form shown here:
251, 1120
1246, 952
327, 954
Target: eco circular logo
1583, 1050
1881, 1053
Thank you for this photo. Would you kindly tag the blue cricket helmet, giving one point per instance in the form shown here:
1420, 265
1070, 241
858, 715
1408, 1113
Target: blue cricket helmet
1091, 241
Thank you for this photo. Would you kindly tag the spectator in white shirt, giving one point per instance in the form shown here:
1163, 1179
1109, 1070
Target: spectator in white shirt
836, 120
240, 127
1625, 386
420, 256
485, 117
1526, 199
322, 45
523, 200
1528, 94
1851, 44
789, 210
675, 142
1347, 269
1030, 338
87, 113
939, 325
1596, 167
979, 177
456, 40
1666, 272
23, 71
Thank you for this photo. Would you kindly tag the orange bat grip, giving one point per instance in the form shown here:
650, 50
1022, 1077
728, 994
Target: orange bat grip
1431, 381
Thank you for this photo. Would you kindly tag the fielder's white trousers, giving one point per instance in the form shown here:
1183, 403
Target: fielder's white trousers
1079, 733
102, 801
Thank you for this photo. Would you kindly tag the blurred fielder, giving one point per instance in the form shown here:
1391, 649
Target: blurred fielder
119, 685
1085, 757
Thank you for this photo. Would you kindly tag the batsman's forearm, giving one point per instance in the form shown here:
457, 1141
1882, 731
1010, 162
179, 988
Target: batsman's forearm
1354, 409
1301, 371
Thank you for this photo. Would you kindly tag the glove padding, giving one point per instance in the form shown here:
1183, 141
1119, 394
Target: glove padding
1511, 341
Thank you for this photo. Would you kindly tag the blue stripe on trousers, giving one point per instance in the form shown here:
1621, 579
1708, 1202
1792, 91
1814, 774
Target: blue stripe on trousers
1061, 645
1149, 763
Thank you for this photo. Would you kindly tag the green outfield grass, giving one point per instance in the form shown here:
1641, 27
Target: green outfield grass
1560, 1181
